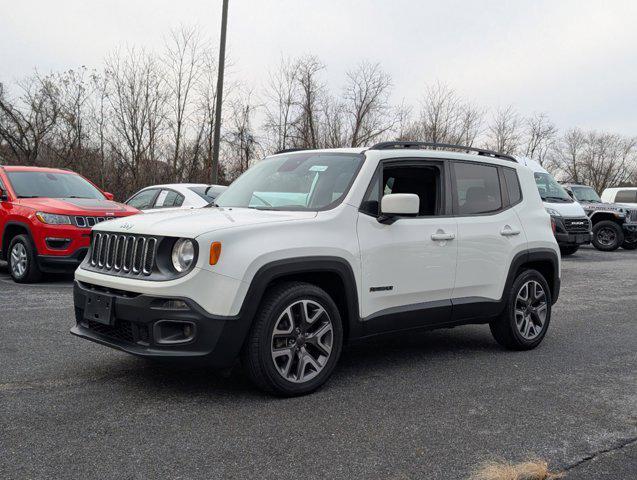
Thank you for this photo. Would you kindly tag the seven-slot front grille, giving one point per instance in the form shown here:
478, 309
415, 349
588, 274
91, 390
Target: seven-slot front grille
88, 222
124, 254
632, 216
577, 225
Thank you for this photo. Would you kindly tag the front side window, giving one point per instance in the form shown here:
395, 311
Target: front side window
585, 194
143, 200
52, 185
550, 190
477, 188
626, 196
422, 180
294, 181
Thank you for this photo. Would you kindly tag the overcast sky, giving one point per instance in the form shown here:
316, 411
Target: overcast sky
575, 60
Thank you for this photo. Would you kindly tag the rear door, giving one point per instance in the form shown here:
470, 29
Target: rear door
4, 206
489, 234
408, 267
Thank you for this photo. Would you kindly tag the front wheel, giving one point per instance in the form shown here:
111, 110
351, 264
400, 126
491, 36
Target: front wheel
607, 236
23, 264
295, 341
569, 250
526, 317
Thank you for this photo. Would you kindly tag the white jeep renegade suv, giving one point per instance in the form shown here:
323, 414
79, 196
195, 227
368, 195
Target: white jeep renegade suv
309, 250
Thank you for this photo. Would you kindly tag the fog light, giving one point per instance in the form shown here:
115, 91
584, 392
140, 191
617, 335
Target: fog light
174, 305
173, 331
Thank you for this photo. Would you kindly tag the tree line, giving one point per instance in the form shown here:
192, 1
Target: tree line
148, 117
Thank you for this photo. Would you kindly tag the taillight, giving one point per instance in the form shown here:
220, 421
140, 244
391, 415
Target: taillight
553, 225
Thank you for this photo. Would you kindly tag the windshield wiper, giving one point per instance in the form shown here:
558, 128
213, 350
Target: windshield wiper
561, 199
28, 196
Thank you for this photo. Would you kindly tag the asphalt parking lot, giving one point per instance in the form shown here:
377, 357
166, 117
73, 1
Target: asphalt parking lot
428, 406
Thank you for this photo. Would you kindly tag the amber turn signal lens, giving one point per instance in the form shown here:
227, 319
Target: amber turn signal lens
215, 252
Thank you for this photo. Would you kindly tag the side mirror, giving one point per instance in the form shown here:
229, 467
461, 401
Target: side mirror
3, 196
396, 204
108, 195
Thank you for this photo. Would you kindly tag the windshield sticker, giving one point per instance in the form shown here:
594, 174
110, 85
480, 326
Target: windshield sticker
318, 168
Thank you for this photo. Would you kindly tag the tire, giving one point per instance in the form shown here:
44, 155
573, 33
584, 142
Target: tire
512, 329
22, 260
299, 354
629, 245
569, 250
607, 236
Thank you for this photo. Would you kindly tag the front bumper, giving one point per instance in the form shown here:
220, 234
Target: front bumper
61, 264
565, 239
216, 340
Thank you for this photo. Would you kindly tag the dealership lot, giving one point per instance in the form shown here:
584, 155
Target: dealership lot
432, 405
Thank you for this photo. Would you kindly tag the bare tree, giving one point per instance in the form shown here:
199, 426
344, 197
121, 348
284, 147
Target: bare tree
309, 101
184, 62
27, 120
504, 132
366, 103
539, 138
242, 143
281, 95
138, 103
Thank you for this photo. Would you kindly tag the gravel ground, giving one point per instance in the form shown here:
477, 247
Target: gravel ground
428, 406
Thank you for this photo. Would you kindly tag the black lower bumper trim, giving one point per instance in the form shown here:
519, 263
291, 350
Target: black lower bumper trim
217, 340
61, 264
565, 239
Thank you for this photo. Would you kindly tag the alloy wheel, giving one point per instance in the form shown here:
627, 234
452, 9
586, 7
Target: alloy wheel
531, 308
302, 340
606, 236
18, 260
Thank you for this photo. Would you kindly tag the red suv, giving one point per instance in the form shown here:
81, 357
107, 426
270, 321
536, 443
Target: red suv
46, 217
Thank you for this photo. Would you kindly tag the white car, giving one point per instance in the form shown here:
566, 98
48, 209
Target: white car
175, 196
623, 195
571, 225
309, 250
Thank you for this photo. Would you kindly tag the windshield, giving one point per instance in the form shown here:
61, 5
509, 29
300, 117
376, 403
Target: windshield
586, 194
208, 193
52, 185
550, 190
295, 181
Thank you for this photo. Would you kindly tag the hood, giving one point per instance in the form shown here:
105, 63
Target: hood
77, 206
600, 206
573, 209
192, 223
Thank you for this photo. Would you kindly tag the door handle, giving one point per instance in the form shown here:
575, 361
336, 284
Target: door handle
507, 231
441, 236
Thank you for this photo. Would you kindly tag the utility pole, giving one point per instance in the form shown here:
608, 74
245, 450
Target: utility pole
222, 61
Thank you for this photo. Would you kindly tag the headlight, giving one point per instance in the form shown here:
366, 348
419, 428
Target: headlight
53, 219
183, 254
552, 212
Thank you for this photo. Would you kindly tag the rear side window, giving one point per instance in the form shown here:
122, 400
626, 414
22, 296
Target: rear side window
477, 188
169, 198
626, 196
513, 185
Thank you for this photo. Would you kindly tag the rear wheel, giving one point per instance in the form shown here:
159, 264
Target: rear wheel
630, 244
526, 317
23, 265
607, 236
295, 341
569, 249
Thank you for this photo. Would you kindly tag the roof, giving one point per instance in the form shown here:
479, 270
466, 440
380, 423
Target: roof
22, 168
412, 153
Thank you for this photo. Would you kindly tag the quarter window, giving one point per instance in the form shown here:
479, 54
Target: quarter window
626, 196
477, 188
513, 185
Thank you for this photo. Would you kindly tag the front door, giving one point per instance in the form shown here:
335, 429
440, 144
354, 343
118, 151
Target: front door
408, 266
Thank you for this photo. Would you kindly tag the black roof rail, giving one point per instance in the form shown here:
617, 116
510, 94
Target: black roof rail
415, 145
289, 150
